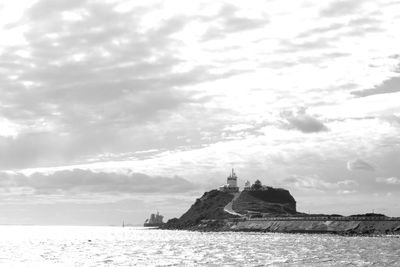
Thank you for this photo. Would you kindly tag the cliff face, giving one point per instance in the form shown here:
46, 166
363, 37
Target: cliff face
209, 206
274, 201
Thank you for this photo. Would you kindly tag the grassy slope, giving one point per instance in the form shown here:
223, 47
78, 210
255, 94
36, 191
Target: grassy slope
209, 206
273, 201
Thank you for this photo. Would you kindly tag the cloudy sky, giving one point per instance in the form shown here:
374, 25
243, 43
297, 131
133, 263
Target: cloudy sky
110, 110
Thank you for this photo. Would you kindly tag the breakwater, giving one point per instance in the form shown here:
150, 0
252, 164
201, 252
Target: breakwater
336, 225
325, 218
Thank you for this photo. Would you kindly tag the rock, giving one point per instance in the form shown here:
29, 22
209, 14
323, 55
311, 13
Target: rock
209, 206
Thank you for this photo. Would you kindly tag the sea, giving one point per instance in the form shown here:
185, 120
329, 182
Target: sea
138, 246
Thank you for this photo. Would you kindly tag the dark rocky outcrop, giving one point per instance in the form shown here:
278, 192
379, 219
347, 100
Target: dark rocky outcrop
209, 206
272, 201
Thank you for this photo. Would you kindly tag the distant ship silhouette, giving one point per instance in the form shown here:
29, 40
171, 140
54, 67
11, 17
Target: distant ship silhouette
154, 220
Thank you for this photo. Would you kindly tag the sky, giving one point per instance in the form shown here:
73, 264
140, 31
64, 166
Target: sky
111, 110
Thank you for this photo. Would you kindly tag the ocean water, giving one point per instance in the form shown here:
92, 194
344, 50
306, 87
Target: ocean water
129, 246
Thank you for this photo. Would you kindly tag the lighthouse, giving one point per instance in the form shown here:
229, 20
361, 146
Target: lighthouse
231, 183
232, 179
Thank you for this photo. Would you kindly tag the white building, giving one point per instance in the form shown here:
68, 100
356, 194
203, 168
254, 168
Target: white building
231, 185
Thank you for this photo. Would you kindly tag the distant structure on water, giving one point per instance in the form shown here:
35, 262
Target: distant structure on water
154, 220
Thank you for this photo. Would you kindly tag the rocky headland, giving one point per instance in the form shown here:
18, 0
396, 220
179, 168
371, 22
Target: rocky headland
270, 209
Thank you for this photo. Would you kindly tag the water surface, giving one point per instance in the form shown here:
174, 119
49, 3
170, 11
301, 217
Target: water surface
117, 246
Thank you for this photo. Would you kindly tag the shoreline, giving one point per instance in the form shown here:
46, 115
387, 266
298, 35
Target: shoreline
292, 233
391, 235
342, 227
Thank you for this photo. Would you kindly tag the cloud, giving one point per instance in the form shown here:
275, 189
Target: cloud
303, 122
389, 181
389, 86
316, 183
87, 84
227, 21
45, 8
341, 8
392, 119
90, 84
322, 30
363, 25
357, 27
359, 164
347, 183
81, 182
305, 45
346, 192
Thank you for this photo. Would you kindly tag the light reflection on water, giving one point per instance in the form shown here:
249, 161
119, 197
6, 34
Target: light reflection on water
116, 246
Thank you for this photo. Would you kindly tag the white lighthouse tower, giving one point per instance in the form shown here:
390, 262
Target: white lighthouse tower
231, 185
232, 179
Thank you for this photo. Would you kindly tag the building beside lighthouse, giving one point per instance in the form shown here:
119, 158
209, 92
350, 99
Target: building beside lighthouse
231, 185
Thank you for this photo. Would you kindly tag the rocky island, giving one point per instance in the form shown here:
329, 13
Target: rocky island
267, 209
